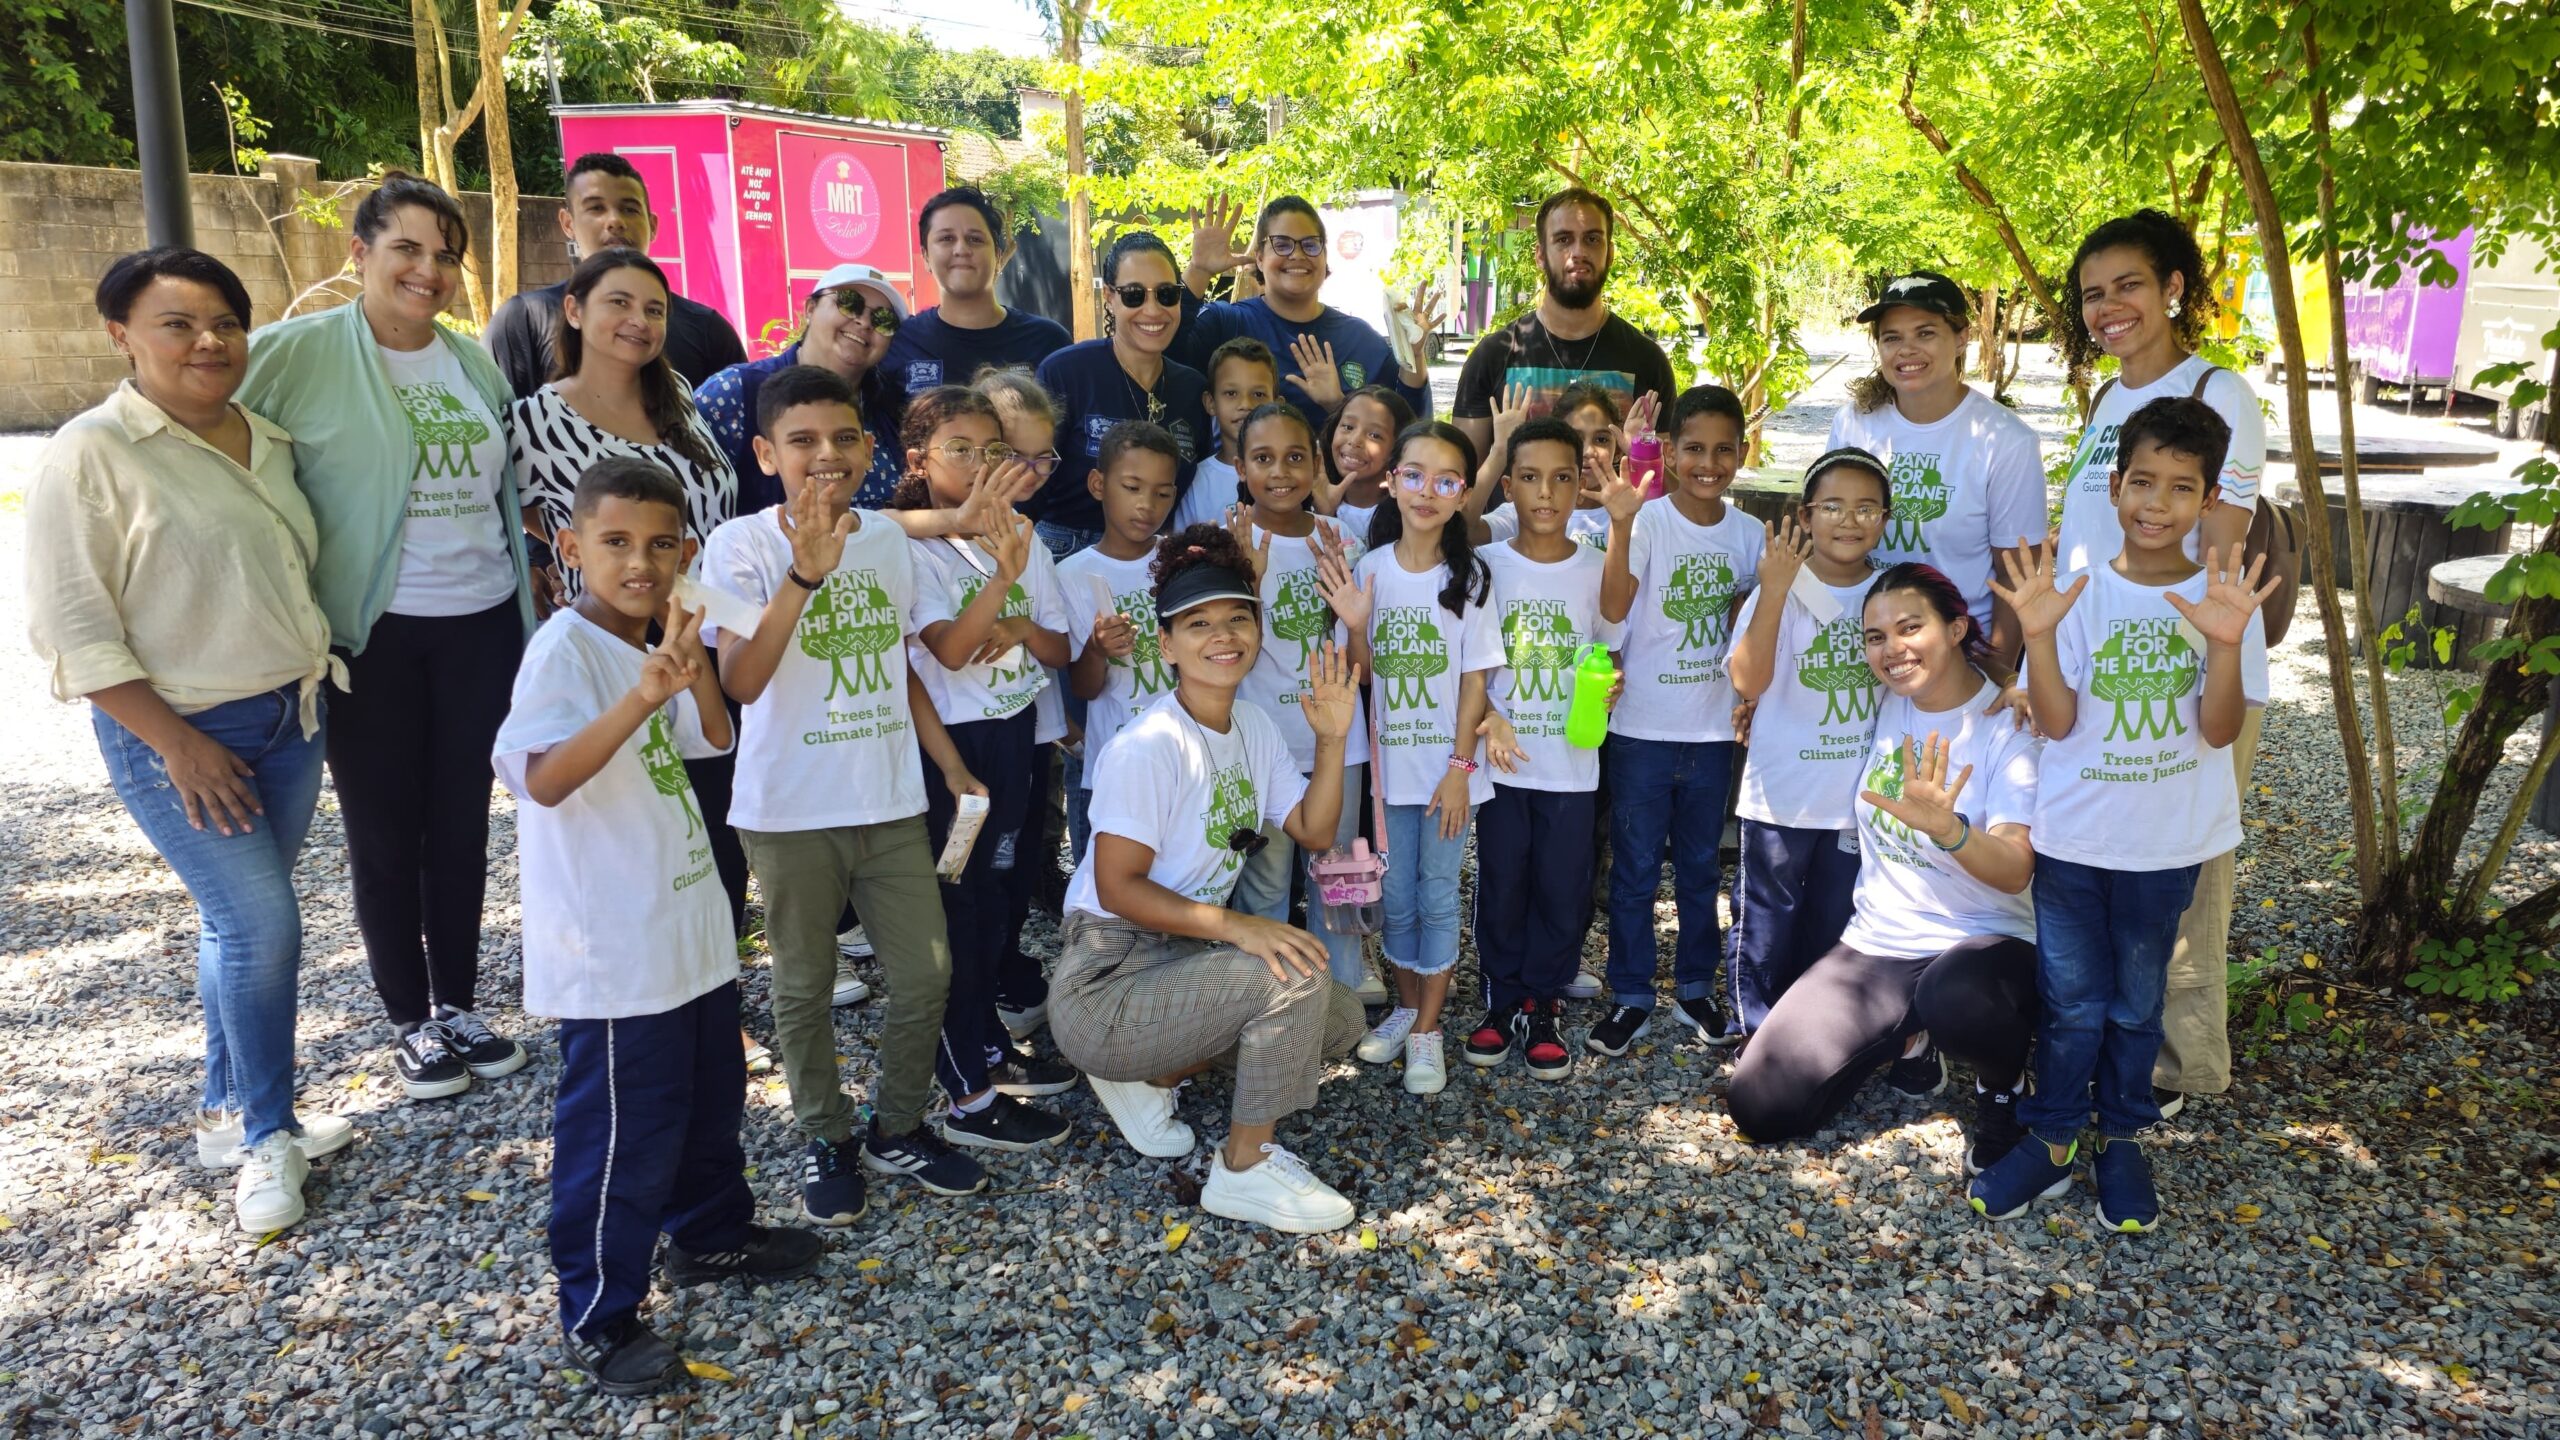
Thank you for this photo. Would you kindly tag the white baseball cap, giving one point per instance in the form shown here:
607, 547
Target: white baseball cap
870, 278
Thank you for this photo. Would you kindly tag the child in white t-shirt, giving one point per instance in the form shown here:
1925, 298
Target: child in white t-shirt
1277, 532
1359, 445
830, 798
991, 623
1110, 600
1243, 377
626, 936
2141, 672
1535, 844
1679, 567
1424, 621
1799, 656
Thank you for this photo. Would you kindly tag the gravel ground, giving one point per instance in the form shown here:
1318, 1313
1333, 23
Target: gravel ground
2358, 1242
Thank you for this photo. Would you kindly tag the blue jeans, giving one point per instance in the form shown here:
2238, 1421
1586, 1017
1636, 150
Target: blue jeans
1263, 885
2103, 939
1422, 891
1664, 792
249, 923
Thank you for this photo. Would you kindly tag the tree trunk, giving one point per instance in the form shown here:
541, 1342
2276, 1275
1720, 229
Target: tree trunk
1088, 324
424, 51
1986, 332
496, 30
2306, 461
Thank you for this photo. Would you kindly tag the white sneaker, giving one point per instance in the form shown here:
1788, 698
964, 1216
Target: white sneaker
1425, 1072
1583, 986
1371, 990
1280, 1192
759, 1060
855, 943
1020, 1023
849, 988
268, 1196
218, 1138
1387, 1041
1145, 1116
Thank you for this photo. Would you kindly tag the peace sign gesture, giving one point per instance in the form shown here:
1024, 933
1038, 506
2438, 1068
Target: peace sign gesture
2030, 594
2230, 597
1928, 800
1319, 378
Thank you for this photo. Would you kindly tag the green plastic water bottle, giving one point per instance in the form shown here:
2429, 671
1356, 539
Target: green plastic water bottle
1587, 723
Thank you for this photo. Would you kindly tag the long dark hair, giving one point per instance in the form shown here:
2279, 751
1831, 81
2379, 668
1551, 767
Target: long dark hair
1469, 578
1944, 600
2170, 246
663, 397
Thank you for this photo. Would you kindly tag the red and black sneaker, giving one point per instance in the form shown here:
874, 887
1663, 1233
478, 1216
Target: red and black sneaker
1490, 1043
1542, 1041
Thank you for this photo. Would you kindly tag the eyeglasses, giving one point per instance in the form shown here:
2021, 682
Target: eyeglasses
1284, 246
1247, 843
1835, 511
855, 302
1412, 481
961, 452
1133, 295
999, 452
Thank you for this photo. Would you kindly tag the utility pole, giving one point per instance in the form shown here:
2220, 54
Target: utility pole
1088, 326
160, 127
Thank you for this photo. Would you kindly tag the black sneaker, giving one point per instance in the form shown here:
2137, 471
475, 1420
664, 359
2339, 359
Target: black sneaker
770, 1252
1918, 1076
1541, 1045
626, 1358
1489, 1044
1022, 1073
428, 1067
2169, 1101
488, 1053
1996, 1130
1614, 1035
1004, 1124
1706, 1019
921, 1156
831, 1184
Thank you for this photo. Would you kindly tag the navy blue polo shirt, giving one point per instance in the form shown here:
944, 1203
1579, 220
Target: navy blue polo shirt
1363, 354
1094, 394
929, 350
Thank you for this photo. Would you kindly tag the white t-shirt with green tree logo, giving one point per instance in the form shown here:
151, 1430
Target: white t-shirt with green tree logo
454, 558
1912, 898
1183, 790
1419, 653
623, 912
1092, 582
1550, 610
949, 574
2134, 786
2090, 533
1295, 620
1679, 628
1816, 721
831, 741
1964, 485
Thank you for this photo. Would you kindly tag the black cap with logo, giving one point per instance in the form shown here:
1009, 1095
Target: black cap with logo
1923, 290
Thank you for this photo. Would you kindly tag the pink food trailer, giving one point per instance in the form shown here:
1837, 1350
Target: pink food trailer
755, 202
2405, 335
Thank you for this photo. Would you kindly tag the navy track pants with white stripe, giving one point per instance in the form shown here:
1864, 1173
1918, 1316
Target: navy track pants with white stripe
645, 1139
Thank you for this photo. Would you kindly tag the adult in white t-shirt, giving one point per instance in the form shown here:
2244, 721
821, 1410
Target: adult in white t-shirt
1940, 952
1967, 482
2143, 302
1158, 979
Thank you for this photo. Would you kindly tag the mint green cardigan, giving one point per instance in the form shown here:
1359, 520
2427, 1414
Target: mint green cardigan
320, 377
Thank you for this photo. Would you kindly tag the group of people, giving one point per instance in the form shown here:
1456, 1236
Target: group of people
845, 618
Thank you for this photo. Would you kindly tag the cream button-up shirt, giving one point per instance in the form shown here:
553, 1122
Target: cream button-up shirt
153, 556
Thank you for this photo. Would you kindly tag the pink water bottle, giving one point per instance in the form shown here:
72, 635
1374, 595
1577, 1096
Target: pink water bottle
1351, 885
1644, 463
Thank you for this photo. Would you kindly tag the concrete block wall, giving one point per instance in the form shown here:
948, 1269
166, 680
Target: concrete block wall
62, 225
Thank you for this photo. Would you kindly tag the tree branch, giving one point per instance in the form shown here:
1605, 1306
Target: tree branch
1982, 197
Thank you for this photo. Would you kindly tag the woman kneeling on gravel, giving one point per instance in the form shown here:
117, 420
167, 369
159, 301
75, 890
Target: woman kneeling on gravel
1158, 979
1940, 953
169, 555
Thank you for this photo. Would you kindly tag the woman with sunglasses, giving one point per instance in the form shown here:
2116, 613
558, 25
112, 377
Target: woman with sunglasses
1334, 353
1159, 980
846, 328
1127, 376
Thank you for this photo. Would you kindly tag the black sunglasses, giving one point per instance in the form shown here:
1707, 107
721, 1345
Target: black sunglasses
1247, 843
1133, 295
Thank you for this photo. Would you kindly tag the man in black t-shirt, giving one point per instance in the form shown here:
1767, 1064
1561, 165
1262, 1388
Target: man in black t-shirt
1570, 335
608, 206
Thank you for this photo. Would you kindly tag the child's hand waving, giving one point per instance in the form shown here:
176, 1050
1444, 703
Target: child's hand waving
2231, 596
1352, 597
1511, 415
1789, 546
1928, 800
817, 539
1608, 481
1255, 545
1333, 687
2030, 594
1009, 545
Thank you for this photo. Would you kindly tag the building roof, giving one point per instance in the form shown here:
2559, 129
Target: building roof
971, 156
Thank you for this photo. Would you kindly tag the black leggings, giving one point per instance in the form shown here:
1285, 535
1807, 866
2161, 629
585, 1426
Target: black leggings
408, 745
1852, 1012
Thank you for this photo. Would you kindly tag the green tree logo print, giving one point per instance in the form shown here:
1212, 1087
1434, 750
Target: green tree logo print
1016, 603
1231, 808
1538, 638
1408, 652
1298, 612
850, 618
1835, 666
1699, 595
666, 769
2145, 668
446, 428
1146, 652
1919, 496
1885, 778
